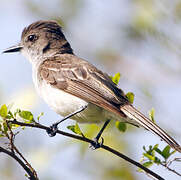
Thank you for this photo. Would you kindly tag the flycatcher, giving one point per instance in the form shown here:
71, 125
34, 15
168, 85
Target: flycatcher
73, 87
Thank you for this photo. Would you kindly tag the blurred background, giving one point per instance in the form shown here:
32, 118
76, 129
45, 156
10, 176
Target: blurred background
141, 39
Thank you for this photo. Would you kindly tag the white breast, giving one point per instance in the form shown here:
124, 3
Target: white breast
60, 101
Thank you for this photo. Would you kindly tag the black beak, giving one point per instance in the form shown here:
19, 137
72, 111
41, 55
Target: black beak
16, 48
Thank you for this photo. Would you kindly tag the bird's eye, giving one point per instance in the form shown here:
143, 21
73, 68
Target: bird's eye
32, 37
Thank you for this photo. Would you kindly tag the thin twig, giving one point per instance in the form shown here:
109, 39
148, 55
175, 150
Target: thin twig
15, 149
167, 165
11, 154
107, 148
173, 160
10, 137
170, 169
27, 163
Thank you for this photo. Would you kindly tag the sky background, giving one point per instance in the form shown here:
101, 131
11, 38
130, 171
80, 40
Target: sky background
139, 39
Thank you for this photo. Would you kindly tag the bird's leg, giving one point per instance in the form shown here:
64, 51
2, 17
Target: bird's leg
96, 143
54, 127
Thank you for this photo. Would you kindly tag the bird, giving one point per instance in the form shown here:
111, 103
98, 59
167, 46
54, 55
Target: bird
75, 88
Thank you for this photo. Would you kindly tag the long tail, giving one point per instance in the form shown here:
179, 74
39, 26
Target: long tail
133, 113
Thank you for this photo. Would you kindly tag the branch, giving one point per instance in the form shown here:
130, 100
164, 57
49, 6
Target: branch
166, 165
11, 154
15, 149
81, 138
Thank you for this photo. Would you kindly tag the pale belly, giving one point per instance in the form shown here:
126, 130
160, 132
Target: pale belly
64, 104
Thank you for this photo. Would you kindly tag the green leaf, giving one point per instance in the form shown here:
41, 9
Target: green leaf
5, 127
174, 151
116, 78
76, 129
158, 151
2, 135
40, 115
71, 127
150, 150
152, 114
150, 157
121, 126
27, 115
3, 111
155, 146
146, 164
10, 115
166, 152
150, 154
130, 97
157, 160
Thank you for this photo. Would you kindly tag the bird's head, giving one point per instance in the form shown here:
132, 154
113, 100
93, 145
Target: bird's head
41, 39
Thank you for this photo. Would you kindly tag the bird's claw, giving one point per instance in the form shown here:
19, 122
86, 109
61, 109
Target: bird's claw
52, 130
95, 144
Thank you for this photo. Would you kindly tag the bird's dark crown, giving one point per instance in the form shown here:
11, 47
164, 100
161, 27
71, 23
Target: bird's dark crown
46, 26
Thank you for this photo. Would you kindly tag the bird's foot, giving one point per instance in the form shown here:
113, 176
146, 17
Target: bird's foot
96, 144
52, 130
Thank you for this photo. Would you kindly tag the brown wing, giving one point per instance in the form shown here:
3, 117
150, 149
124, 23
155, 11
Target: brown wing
81, 79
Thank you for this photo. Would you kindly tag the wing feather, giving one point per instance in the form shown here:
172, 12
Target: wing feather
81, 79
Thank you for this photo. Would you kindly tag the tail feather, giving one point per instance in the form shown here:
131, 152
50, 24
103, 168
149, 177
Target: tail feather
133, 113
